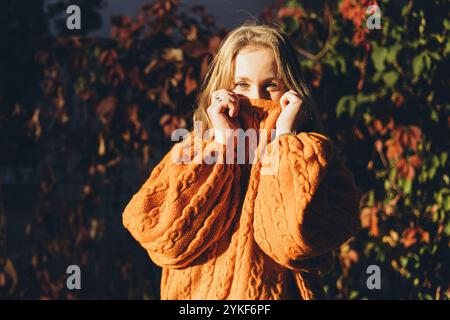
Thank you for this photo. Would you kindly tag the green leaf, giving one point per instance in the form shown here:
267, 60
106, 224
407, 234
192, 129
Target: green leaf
306, 63
403, 261
434, 116
292, 4
364, 98
338, 64
446, 204
432, 172
378, 56
392, 51
371, 199
447, 229
377, 76
346, 104
444, 156
417, 65
407, 186
390, 78
447, 47
435, 161
447, 24
406, 10
353, 294
427, 60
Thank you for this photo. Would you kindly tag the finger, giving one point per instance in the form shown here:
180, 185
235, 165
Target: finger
233, 103
239, 95
231, 95
214, 95
212, 110
225, 96
219, 107
237, 107
235, 95
294, 96
225, 100
218, 94
220, 101
233, 106
223, 106
232, 99
284, 101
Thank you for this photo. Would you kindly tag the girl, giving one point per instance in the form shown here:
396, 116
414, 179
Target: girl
224, 230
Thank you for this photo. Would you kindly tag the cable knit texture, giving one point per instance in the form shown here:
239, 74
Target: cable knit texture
226, 231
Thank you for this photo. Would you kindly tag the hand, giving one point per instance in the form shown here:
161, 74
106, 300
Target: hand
223, 113
289, 118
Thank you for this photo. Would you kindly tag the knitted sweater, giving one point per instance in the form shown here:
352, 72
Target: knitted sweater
225, 231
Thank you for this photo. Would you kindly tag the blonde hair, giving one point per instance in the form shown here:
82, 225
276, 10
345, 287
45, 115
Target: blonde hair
221, 71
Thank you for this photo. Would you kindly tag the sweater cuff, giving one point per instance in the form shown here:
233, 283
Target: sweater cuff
279, 133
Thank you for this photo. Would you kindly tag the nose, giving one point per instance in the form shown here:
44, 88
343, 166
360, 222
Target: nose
258, 93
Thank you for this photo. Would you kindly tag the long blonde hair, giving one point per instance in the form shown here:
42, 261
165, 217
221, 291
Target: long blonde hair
221, 71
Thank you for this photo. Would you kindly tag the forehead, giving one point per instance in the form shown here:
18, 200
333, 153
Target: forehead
255, 63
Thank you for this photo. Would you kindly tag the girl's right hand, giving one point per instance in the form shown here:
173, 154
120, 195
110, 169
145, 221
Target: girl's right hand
223, 113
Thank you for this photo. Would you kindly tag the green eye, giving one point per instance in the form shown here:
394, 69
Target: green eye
242, 84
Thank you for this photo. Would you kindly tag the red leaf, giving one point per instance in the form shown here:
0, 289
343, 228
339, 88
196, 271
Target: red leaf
415, 161
379, 145
409, 237
394, 149
369, 219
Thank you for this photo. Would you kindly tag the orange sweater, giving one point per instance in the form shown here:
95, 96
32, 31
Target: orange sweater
225, 231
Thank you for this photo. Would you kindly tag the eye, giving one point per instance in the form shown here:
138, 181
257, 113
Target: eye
241, 84
272, 85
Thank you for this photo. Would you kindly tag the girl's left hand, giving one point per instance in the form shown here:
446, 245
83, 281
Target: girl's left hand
289, 118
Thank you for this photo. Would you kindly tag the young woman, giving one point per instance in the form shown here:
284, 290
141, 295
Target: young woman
224, 230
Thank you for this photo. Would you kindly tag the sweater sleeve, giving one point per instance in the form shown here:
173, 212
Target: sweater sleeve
308, 205
182, 208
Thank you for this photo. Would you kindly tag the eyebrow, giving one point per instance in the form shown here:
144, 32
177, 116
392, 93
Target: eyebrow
248, 79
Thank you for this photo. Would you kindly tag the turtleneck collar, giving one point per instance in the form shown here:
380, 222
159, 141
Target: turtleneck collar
260, 103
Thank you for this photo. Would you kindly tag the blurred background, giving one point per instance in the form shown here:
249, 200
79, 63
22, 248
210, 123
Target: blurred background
86, 114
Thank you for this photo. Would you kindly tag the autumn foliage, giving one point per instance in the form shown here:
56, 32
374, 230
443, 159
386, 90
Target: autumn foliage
382, 94
84, 119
